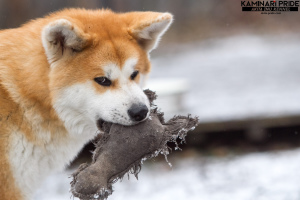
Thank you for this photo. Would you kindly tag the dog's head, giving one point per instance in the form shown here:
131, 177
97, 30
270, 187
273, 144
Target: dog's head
97, 61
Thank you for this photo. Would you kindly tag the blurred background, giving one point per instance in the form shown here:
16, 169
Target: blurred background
238, 71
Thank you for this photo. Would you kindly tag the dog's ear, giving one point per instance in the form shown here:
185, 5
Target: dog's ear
62, 37
148, 27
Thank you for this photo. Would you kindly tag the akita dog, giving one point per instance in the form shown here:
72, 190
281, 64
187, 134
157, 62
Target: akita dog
61, 76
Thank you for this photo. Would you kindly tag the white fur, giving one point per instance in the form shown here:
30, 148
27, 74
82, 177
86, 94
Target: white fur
80, 105
32, 163
143, 80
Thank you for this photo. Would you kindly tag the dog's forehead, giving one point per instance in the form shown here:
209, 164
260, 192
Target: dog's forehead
113, 71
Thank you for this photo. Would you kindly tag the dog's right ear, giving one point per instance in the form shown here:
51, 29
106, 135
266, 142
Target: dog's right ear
148, 27
62, 37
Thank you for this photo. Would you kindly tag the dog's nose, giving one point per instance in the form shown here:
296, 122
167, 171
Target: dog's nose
138, 112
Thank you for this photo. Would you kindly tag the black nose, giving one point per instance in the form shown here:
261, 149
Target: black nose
138, 112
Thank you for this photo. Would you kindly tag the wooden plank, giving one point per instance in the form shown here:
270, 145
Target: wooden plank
247, 123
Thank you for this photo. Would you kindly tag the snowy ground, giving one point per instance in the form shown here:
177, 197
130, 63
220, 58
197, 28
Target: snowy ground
257, 176
245, 76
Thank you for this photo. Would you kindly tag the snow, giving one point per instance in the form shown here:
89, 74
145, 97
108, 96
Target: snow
256, 176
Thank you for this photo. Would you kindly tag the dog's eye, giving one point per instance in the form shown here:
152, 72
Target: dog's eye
103, 81
134, 74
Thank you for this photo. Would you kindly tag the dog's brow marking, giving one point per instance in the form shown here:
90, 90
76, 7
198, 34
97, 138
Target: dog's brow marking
113, 72
128, 66
108, 74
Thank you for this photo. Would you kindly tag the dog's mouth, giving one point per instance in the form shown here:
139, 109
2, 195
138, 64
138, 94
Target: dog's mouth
100, 123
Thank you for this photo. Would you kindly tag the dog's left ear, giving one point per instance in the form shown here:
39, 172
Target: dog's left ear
148, 27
